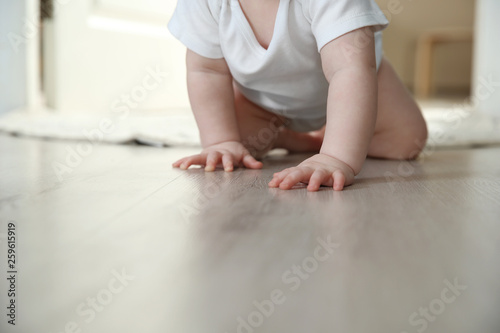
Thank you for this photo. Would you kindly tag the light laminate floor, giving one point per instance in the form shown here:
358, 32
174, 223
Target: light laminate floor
123, 243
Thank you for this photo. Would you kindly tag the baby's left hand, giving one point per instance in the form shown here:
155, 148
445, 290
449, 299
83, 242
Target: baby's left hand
317, 170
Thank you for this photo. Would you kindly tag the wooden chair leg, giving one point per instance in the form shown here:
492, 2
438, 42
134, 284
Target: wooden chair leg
423, 67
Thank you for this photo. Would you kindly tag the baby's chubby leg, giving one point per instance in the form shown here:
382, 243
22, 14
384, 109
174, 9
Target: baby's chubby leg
261, 130
400, 130
233, 131
369, 113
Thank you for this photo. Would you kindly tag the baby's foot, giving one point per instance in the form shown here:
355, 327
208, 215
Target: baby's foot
296, 142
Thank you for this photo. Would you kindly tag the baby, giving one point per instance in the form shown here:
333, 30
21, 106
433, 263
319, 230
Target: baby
304, 75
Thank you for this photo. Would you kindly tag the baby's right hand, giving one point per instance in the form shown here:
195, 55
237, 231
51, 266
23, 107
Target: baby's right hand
228, 154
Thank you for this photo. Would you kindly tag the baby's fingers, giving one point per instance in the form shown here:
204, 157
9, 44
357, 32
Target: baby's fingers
278, 177
227, 162
294, 177
186, 162
251, 163
338, 180
178, 163
213, 159
318, 178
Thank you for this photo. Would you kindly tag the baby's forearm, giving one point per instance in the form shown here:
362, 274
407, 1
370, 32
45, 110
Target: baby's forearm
212, 100
351, 115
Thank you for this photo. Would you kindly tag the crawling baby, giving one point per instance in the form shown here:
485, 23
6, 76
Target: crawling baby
304, 75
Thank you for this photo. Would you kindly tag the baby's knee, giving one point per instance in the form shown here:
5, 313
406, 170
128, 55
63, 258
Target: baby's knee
412, 140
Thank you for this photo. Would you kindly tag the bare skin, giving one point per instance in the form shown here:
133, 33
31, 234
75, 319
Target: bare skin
369, 112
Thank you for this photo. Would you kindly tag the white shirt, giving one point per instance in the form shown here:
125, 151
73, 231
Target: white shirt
287, 78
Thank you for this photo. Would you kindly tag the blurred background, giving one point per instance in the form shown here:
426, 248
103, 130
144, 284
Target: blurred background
100, 56
412, 22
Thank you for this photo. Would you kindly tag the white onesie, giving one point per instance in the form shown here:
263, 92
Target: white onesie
287, 78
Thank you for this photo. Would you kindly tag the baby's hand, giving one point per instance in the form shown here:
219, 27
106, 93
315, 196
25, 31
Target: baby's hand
317, 170
228, 154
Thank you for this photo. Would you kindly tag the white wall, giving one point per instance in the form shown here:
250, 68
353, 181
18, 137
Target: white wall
12, 56
97, 55
19, 54
486, 78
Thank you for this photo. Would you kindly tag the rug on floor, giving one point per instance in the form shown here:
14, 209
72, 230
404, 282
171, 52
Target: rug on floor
447, 127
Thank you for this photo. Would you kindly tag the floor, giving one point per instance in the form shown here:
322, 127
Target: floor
111, 239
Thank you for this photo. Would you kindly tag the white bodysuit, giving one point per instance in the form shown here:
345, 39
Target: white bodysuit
287, 78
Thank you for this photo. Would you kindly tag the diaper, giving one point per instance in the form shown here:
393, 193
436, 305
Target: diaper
305, 125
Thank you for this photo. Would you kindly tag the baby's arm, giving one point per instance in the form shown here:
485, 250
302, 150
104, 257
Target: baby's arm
210, 87
350, 68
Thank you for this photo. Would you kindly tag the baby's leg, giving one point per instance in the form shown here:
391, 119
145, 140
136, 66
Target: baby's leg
400, 129
261, 130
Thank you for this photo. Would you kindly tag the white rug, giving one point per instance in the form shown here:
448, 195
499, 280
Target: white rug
175, 128
461, 128
447, 127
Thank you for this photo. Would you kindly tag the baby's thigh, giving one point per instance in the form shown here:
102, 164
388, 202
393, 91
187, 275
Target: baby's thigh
396, 106
400, 128
258, 128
